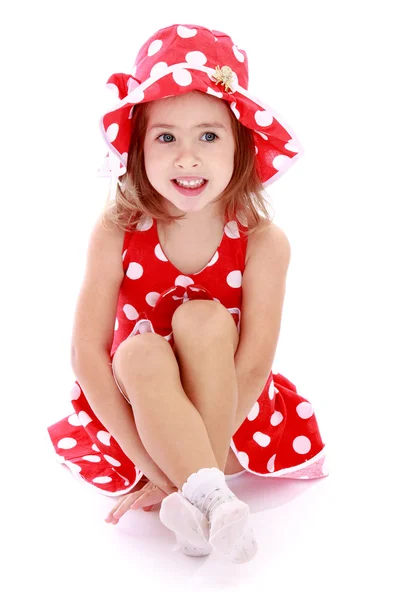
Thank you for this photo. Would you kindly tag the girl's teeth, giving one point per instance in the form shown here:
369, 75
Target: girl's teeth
196, 184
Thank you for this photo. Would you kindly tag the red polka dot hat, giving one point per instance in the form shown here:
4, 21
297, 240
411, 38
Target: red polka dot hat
182, 58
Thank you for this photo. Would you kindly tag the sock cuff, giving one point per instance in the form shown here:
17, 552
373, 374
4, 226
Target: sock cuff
200, 477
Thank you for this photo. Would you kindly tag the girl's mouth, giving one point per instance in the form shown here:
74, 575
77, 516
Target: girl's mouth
187, 191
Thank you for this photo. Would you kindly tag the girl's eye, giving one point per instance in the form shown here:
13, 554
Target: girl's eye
165, 134
211, 133
207, 133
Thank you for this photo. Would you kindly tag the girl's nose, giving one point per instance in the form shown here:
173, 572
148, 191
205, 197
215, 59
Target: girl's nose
187, 160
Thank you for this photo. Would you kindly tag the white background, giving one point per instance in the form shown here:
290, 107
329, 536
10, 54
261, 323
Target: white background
340, 74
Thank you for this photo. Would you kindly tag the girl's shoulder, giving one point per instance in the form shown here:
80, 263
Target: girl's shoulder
106, 242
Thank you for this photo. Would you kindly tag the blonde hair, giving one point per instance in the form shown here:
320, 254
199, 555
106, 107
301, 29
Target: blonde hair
244, 196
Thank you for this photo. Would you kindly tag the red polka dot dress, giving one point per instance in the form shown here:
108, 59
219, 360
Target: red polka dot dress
280, 435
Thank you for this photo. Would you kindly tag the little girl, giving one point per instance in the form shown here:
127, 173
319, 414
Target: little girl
173, 361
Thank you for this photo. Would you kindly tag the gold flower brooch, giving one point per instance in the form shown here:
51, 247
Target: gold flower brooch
224, 75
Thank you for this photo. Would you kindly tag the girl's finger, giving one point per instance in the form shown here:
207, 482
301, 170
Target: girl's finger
125, 506
110, 516
119, 510
149, 499
138, 502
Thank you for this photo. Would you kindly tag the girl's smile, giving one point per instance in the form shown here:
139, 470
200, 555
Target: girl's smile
190, 191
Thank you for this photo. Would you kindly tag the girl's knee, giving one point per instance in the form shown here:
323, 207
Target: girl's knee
141, 353
196, 313
202, 319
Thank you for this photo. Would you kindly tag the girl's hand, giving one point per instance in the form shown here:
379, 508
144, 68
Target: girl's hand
146, 498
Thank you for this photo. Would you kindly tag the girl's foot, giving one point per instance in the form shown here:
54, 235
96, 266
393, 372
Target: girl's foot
190, 526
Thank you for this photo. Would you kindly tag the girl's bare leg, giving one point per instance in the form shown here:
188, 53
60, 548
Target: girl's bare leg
171, 428
206, 340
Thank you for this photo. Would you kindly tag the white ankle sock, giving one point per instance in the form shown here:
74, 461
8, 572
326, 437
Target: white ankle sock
190, 526
228, 516
207, 489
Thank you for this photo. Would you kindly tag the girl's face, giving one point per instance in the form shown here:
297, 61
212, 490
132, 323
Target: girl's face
189, 136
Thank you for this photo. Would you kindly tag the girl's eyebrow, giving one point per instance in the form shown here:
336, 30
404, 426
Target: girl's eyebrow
165, 125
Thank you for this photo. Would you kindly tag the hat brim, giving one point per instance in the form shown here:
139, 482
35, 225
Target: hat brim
277, 146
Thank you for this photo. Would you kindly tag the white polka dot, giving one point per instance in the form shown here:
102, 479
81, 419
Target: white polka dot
214, 93
213, 260
234, 279
232, 230
74, 420
256, 150
123, 254
262, 439
276, 418
130, 312
104, 437
92, 458
182, 77
234, 109
132, 84
263, 135
116, 325
271, 464
136, 95
291, 146
243, 459
75, 392
263, 118
304, 410
84, 418
66, 443
152, 298
271, 390
301, 444
95, 447
254, 411
196, 58
145, 223
185, 32
134, 270
112, 461
102, 480
154, 47
281, 162
112, 132
158, 70
159, 253
238, 54
184, 281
